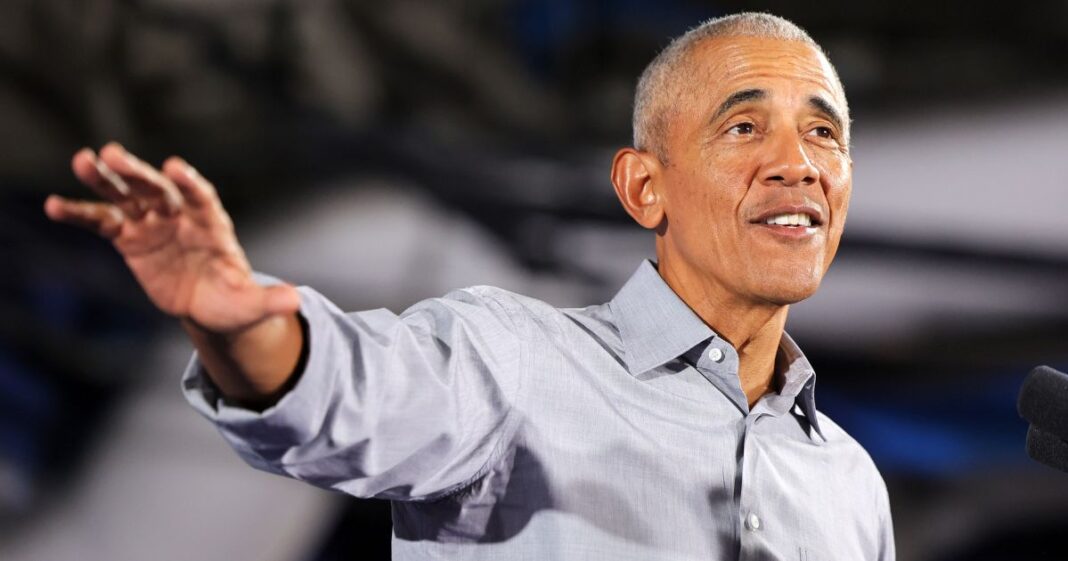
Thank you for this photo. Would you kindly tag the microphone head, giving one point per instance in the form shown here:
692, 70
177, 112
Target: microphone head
1047, 449
1043, 400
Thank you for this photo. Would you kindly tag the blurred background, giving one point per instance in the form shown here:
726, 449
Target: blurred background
386, 152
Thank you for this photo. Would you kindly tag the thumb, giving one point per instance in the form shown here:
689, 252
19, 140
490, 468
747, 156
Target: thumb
281, 299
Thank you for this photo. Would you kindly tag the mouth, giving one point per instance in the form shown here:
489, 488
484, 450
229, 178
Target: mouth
793, 221
798, 216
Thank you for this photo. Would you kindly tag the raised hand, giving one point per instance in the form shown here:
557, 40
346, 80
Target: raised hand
176, 238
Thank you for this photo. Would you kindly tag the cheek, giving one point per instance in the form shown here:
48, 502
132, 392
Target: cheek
704, 198
726, 178
837, 184
842, 207
696, 199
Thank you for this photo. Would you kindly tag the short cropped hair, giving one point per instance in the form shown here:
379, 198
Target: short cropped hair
662, 84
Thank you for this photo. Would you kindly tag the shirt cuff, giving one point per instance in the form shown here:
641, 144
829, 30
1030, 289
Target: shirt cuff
262, 437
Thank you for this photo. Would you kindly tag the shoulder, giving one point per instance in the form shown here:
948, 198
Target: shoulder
517, 308
851, 456
538, 320
504, 299
842, 444
855, 462
529, 310
482, 306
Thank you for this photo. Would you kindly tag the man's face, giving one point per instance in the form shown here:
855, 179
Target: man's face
759, 139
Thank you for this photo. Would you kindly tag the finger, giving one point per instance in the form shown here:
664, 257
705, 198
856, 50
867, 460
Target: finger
281, 299
105, 219
154, 190
197, 191
201, 199
104, 182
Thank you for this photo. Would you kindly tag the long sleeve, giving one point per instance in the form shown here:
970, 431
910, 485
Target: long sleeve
403, 407
887, 546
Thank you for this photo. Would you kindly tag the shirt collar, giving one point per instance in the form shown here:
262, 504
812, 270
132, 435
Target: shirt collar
656, 326
798, 380
654, 323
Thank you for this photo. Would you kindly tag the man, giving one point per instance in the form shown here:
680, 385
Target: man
675, 422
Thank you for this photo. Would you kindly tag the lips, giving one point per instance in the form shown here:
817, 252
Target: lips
799, 216
790, 220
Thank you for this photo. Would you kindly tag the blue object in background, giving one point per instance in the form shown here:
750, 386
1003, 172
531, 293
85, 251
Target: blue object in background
947, 429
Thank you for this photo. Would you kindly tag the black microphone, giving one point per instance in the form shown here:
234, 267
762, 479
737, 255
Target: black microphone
1043, 402
1045, 448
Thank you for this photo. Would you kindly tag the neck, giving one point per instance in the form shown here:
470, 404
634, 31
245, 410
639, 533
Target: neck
754, 329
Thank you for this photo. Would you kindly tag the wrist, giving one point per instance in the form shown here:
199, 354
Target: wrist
254, 366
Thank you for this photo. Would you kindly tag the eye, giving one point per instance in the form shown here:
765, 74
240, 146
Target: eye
742, 129
824, 132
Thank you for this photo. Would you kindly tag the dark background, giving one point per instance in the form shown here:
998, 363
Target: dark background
385, 152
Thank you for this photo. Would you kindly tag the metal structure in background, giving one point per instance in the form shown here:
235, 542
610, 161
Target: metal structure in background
503, 116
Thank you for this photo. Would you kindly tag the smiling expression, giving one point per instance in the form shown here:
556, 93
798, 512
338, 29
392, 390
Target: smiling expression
758, 176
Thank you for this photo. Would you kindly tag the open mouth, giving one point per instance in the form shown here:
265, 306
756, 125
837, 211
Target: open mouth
800, 220
800, 217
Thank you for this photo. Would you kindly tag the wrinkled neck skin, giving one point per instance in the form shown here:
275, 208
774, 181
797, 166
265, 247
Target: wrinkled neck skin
753, 328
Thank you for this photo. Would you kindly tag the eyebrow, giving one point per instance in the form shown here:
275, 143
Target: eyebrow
755, 94
739, 97
825, 107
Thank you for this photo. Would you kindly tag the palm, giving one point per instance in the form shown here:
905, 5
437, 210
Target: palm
188, 271
175, 237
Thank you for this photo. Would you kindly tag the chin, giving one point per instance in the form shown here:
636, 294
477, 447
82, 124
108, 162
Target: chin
787, 290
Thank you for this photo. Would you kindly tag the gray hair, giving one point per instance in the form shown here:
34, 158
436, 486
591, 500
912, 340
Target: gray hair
657, 97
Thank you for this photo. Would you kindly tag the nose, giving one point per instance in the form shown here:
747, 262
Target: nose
787, 163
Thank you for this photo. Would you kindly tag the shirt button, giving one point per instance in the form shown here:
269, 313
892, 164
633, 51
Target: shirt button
715, 354
752, 522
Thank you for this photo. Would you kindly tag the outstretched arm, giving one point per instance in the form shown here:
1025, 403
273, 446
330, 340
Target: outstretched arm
404, 407
179, 242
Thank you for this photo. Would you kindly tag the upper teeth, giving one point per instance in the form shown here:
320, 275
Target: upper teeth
790, 220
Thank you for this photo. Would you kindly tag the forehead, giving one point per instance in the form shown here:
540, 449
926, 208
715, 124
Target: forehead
727, 64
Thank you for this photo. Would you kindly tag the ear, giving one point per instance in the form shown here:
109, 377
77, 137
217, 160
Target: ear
634, 176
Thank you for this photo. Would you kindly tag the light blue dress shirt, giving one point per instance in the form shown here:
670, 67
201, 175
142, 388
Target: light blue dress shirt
503, 428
